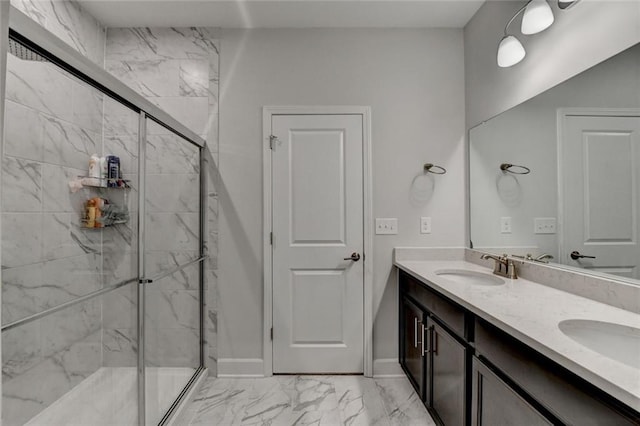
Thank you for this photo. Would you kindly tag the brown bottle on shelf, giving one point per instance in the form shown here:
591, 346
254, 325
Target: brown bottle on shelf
99, 202
91, 213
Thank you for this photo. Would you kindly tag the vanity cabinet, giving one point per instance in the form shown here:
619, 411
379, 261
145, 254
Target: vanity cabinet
495, 403
448, 364
411, 350
469, 372
569, 398
432, 352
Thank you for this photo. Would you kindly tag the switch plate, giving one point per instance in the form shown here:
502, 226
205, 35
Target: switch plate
505, 225
386, 225
425, 225
544, 225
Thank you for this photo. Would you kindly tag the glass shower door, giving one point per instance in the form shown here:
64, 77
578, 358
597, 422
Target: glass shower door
69, 250
171, 253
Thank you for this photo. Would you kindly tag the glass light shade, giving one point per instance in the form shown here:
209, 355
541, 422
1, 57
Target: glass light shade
510, 51
537, 17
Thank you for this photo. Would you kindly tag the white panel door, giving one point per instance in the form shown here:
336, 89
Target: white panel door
601, 191
317, 222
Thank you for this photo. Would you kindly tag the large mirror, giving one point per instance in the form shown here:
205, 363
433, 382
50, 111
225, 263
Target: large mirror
577, 195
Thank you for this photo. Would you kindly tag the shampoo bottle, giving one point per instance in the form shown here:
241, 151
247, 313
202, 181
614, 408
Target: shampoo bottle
94, 170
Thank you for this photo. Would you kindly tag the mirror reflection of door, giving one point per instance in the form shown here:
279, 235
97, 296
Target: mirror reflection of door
600, 172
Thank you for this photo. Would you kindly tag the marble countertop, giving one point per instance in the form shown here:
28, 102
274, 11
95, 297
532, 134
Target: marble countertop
531, 312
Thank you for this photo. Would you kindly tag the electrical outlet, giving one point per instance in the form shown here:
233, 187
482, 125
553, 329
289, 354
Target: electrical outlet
386, 225
505, 225
544, 225
425, 225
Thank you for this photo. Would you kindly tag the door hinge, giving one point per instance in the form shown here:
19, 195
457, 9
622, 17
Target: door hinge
272, 141
271, 333
271, 238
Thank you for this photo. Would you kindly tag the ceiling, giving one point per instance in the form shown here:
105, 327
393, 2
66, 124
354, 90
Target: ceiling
284, 13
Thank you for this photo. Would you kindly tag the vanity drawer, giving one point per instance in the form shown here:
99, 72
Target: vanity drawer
448, 312
563, 394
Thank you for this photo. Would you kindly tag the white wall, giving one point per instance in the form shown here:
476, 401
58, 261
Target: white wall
413, 81
580, 38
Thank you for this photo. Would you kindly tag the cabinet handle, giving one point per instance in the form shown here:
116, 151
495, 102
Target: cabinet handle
415, 332
435, 340
422, 330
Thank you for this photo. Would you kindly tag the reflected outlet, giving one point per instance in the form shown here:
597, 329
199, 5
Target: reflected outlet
505, 225
425, 225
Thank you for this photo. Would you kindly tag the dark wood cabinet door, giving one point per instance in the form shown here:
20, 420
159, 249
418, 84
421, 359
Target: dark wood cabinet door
495, 403
411, 336
447, 375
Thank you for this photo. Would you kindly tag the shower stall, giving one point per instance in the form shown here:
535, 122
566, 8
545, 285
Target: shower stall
102, 310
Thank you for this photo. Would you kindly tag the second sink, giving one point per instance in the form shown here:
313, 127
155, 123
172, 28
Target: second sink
615, 341
464, 276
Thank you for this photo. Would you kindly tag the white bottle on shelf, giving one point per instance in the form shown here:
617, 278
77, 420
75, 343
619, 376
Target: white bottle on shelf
94, 170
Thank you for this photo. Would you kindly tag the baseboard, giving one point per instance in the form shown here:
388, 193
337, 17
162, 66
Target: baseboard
240, 367
387, 367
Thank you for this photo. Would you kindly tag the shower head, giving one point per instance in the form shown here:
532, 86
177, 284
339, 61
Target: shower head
21, 51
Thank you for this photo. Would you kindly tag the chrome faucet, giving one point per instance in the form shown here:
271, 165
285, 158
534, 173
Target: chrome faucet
503, 266
544, 257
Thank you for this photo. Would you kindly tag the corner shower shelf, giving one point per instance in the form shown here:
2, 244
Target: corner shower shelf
103, 183
95, 228
113, 213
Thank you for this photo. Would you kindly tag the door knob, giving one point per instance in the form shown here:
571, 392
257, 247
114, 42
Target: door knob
575, 255
354, 256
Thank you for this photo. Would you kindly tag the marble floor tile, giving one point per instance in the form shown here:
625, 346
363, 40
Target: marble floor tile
359, 401
307, 400
402, 404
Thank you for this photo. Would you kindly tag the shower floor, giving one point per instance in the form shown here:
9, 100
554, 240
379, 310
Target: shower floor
109, 397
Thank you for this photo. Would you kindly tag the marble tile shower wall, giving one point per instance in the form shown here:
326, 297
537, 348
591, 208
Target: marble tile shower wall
176, 69
69, 22
53, 123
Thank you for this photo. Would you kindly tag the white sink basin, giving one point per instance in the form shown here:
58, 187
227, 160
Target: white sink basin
464, 276
615, 341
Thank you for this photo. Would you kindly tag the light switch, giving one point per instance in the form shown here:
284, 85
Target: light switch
544, 225
386, 225
425, 225
505, 225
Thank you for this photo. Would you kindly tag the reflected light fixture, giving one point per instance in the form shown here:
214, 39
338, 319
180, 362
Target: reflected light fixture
537, 17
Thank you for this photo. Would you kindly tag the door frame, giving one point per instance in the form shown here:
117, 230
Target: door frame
267, 258
561, 115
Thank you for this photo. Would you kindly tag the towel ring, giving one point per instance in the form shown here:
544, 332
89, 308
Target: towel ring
520, 170
429, 168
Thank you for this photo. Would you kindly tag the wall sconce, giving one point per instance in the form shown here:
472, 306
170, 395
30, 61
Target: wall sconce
537, 17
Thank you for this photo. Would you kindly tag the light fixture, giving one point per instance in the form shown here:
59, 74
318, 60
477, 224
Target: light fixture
537, 17
510, 51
